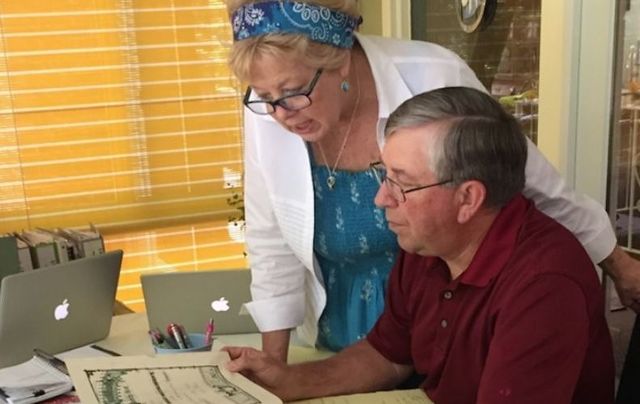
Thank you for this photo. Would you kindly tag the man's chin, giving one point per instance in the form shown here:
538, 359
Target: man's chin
406, 245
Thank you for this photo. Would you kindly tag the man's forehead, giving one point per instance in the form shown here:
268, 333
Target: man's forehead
423, 131
411, 141
405, 159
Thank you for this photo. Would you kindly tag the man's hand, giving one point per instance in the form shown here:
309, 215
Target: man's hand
625, 272
263, 369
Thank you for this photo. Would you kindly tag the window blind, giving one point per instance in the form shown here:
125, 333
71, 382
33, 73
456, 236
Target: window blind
123, 114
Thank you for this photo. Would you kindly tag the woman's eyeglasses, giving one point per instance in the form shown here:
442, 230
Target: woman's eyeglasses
291, 102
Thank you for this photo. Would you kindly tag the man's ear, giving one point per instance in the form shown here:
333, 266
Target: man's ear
470, 196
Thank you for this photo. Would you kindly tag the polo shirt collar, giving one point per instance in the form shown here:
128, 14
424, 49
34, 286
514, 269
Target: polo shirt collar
498, 244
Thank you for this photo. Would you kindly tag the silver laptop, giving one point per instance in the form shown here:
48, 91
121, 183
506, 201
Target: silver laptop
57, 308
192, 298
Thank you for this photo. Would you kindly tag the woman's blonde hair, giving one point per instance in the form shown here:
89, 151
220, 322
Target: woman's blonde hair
315, 55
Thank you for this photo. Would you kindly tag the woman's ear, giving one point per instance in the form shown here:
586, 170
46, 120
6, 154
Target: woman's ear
346, 67
470, 196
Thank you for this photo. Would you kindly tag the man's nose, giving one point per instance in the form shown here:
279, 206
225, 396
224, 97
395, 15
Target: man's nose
383, 198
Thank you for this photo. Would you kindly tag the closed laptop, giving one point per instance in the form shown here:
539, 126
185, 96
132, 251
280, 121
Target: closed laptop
57, 308
192, 298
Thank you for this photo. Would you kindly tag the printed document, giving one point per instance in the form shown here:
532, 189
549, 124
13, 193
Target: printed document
198, 377
415, 396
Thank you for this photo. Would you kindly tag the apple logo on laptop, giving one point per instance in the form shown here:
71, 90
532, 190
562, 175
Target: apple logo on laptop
62, 310
221, 304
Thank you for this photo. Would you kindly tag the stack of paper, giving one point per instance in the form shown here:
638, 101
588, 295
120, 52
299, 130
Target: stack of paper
32, 381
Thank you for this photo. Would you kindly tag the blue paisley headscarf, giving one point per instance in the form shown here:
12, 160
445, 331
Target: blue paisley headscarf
320, 24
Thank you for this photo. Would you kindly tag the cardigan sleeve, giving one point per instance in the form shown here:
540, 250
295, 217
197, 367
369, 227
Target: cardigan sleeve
278, 276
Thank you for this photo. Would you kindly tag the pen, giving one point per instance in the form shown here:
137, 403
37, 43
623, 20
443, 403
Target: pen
105, 350
208, 332
51, 360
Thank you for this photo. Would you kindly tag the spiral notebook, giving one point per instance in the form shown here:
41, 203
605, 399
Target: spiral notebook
38, 379
57, 308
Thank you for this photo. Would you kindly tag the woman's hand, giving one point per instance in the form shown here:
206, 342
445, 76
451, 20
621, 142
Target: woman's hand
625, 272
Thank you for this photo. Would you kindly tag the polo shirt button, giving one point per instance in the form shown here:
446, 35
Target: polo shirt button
448, 295
443, 323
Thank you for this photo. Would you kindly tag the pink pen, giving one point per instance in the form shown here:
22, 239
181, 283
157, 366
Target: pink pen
208, 333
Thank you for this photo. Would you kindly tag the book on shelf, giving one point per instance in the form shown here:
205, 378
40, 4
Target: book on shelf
65, 249
42, 248
87, 243
24, 255
9, 258
40, 378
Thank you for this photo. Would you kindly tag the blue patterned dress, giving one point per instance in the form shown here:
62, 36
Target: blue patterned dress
356, 251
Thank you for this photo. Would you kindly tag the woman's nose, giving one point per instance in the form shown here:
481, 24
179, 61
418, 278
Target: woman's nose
281, 113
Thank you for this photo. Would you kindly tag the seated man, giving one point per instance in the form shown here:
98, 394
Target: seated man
490, 299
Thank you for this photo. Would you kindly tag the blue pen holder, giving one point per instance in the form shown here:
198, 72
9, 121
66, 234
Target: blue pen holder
197, 345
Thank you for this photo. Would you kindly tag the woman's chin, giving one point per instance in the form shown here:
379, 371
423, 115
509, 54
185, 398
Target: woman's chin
310, 133
311, 138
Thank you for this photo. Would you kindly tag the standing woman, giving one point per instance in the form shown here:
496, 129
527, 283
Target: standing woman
318, 98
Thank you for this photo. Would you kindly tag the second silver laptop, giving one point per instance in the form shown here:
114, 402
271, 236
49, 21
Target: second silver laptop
192, 298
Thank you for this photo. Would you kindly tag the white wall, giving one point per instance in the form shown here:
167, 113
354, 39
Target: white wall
576, 76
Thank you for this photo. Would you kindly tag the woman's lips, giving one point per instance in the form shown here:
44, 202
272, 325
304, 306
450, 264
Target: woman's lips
303, 128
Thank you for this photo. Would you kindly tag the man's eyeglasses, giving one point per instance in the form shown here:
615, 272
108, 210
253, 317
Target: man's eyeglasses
395, 190
292, 102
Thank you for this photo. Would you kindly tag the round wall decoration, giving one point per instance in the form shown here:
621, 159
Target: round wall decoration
475, 15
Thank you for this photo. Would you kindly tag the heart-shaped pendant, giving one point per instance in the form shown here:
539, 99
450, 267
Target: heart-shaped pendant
331, 181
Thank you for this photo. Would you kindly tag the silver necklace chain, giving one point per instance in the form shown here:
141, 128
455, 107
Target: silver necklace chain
331, 178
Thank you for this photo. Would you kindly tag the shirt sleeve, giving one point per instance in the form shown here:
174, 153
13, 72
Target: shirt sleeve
539, 345
277, 275
583, 216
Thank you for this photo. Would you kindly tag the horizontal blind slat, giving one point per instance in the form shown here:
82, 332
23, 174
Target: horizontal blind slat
124, 114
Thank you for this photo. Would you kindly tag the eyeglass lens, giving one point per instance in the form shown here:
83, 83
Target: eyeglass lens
380, 173
293, 102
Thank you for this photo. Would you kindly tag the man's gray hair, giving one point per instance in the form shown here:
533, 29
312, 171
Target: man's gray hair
482, 141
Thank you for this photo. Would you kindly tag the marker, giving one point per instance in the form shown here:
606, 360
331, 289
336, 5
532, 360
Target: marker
185, 336
208, 332
175, 332
159, 340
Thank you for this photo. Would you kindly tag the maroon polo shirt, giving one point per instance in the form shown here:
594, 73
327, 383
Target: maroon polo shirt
523, 324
